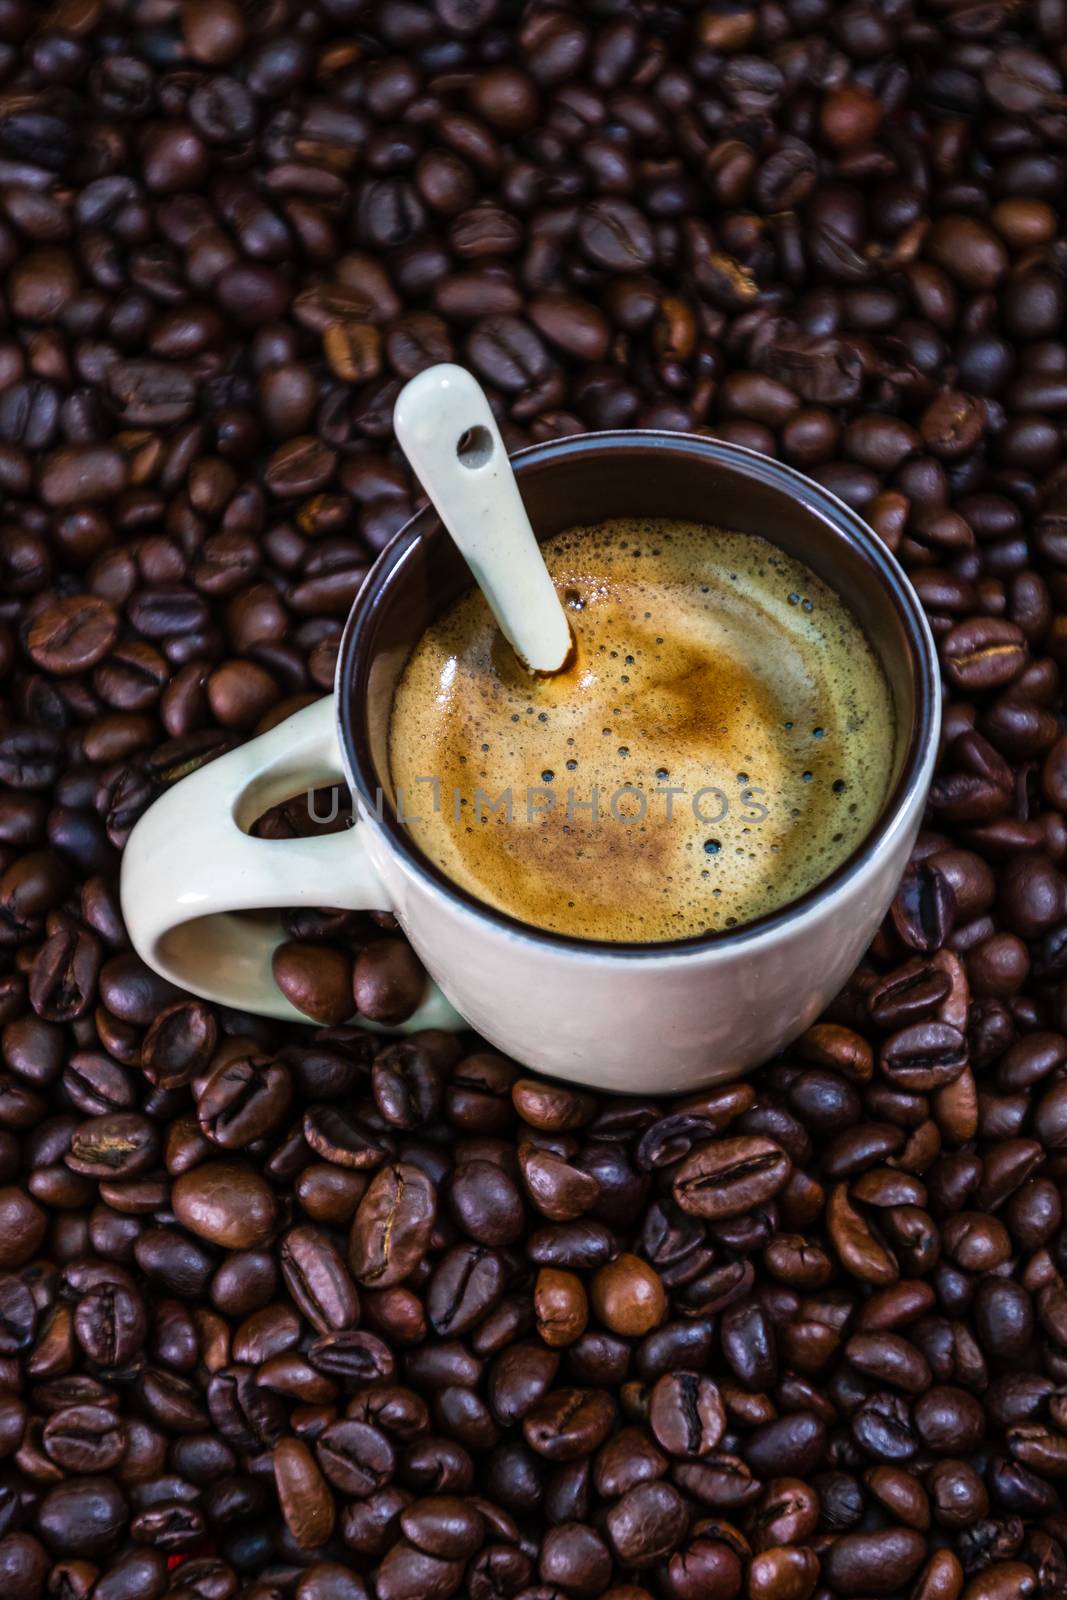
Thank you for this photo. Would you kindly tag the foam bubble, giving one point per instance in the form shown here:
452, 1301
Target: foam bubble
695, 671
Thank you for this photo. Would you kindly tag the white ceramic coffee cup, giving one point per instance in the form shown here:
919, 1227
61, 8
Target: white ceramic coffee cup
641, 1018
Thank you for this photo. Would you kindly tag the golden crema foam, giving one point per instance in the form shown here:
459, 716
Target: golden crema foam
721, 741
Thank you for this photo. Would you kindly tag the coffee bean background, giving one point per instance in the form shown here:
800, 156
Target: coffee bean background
299, 1314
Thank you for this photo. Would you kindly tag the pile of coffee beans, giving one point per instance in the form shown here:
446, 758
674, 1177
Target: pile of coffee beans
294, 1314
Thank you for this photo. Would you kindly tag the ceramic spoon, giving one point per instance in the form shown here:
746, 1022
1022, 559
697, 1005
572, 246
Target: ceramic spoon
448, 433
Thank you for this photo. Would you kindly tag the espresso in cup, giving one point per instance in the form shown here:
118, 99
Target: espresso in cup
720, 741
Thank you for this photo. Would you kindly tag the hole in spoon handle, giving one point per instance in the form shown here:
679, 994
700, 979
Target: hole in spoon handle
475, 447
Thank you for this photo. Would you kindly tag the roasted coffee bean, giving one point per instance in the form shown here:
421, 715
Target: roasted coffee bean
179, 1044
782, 1573
890, 1358
508, 353
631, 1457
85, 1517
924, 1056
318, 1280
387, 981
316, 978
18, 1315
790, 1445
225, 1203
486, 1203
560, 1306
242, 1100
520, 1375
72, 635
84, 1439
568, 1423
957, 1494
912, 991
356, 1457
408, 1079
924, 909
305, 1500
356, 1356
686, 1414
949, 1421
110, 1323
984, 654
467, 1283
559, 1190
121, 1145
445, 1526
405, 1571
628, 1296
873, 1563
647, 1524
574, 1556
858, 1246
392, 1226
730, 1176
614, 235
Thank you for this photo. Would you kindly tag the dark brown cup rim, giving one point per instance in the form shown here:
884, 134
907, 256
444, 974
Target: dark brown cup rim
353, 668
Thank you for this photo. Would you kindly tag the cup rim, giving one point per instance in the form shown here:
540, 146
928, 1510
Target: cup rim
352, 671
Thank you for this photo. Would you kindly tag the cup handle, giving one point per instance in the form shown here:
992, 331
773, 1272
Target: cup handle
189, 865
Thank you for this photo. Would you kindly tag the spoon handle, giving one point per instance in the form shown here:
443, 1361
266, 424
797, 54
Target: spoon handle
449, 434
